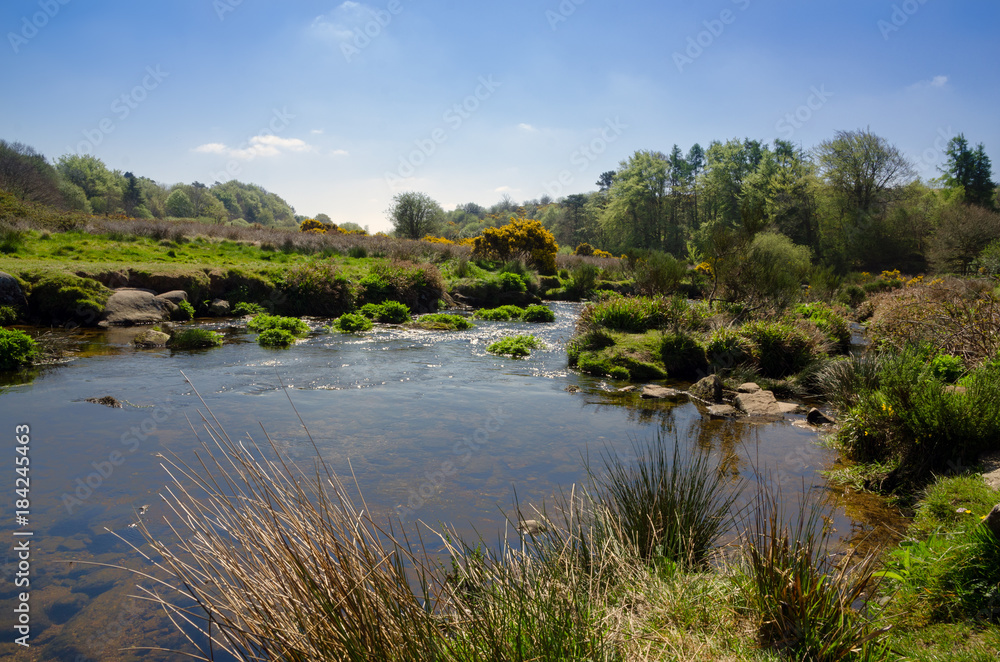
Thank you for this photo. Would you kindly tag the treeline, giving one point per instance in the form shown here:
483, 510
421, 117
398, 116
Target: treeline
854, 201
84, 183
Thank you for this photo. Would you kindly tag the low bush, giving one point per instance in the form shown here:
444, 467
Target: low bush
683, 356
17, 349
315, 289
514, 346
728, 349
244, 308
584, 280
8, 315
538, 314
833, 325
195, 339
276, 338
266, 322
418, 285
442, 322
947, 367
779, 349
500, 314
60, 298
352, 323
658, 274
387, 312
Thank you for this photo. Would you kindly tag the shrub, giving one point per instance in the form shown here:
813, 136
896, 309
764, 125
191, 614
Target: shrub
629, 314
728, 349
511, 282
17, 349
514, 346
244, 308
8, 315
393, 312
779, 349
59, 298
833, 325
683, 356
316, 289
584, 281
851, 295
538, 313
521, 238
947, 367
352, 323
195, 339
419, 286
266, 322
659, 273
184, 312
501, 314
442, 322
276, 338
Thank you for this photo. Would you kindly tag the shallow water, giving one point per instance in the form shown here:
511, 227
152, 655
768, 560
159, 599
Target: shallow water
432, 426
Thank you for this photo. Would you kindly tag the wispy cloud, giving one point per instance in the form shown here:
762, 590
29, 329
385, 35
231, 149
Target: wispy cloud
937, 81
258, 146
526, 127
339, 152
339, 24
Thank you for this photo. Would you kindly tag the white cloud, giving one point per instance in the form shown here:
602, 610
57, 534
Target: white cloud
502, 189
937, 81
317, 132
339, 24
339, 152
262, 146
526, 127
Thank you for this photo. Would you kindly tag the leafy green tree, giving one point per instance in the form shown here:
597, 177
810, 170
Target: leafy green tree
25, 173
865, 169
414, 215
179, 204
971, 172
88, 172
132, 196
637, 210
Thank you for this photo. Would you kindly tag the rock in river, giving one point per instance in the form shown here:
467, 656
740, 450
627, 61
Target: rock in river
130, 307
652, 391
763, 403
708, 389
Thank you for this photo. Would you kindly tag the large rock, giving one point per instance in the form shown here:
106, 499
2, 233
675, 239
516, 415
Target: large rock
763, 403
708, 389
11, 293
174, 296
219, 308
654, 392
816, 417
992, 521
150, 338
131, 307
747, 387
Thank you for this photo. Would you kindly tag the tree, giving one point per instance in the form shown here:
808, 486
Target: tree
520, 239
606, 179
970, 171
25, 173
962, 234
323, 218
865, 169
89, 173
132, 197
179, 205
414, 215
636, 212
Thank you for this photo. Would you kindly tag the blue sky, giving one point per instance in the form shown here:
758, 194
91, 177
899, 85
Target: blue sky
336, 106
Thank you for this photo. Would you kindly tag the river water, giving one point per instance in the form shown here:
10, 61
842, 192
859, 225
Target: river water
433, 427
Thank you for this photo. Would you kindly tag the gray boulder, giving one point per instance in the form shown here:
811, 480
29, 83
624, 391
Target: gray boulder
130, 307
723, 411
174, 296
816, 417
762, 403
150, 338
219, 308
747, 387
11, 293
708, 389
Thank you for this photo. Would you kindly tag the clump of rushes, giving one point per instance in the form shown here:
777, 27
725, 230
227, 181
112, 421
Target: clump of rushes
441, 322
387, 312
17, 349
184, 312
515, 346
265, 322
276, 338
195, 339
247, 308
352, 323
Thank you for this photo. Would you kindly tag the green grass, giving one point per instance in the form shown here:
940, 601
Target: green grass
184, 312
500, 314
538, 314
514, 346
244, 308
195, 339
441, 322
387, 312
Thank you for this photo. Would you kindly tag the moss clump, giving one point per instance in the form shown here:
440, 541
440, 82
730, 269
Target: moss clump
441, 322
265, 322
387, 312
276, 338
500, 314
17, 349
352, 323
8, 314
514, 346
538, 313
683, 356
246, 308
60, 298
195, 339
